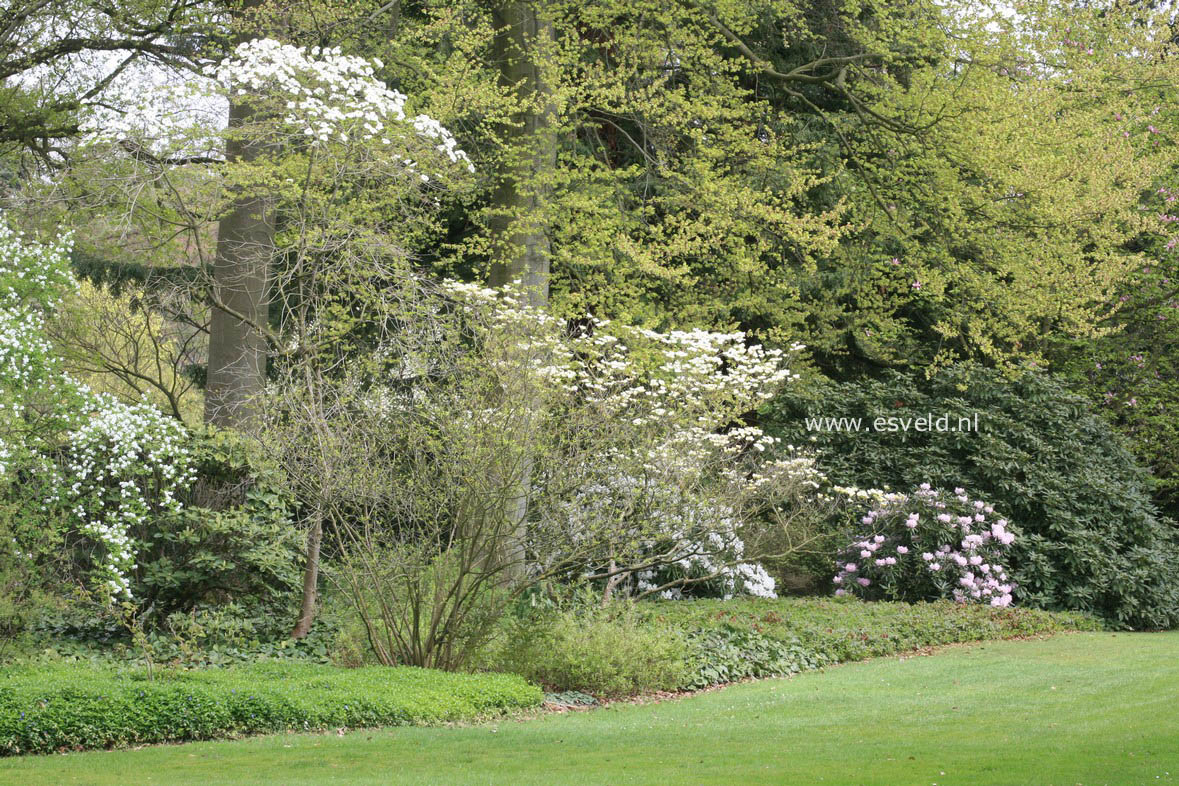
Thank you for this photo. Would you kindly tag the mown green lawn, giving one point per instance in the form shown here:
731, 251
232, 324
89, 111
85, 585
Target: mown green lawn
1085, 708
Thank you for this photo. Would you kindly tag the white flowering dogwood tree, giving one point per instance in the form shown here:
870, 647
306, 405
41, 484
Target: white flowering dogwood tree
341, 150
664, 506
324, 158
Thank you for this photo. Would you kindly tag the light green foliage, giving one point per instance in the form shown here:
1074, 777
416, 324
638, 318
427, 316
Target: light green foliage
609, 652
664, 645
115, 342
1131, 374
995, 208
758, 164
725, 655
664, 202
715, 169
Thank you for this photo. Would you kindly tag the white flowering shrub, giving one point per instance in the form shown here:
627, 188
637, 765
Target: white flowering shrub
468, 445
120, 469
32, 279
929, 545
93, 462
686, 546
716, 566
664, 502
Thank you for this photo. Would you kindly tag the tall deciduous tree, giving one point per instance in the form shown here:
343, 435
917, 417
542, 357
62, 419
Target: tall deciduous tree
762, 164
240, 287
518, 220
241, 275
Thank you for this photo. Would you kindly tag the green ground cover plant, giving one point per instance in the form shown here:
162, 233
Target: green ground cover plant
755, 637
70, 707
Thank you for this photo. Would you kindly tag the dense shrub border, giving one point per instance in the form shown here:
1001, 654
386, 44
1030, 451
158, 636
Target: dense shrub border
47, 709
1089, 536
627, 649
757, 637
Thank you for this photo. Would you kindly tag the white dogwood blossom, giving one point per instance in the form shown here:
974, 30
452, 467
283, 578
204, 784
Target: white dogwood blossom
671, 482
318, 96
328, 96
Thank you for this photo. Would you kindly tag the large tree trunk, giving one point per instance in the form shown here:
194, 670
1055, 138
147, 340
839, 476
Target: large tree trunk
241, 280
518, 213
237, 343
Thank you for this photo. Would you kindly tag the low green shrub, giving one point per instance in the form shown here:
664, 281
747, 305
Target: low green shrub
230, 550
604, 652
22, 589
208, 636
233, 541
46, 709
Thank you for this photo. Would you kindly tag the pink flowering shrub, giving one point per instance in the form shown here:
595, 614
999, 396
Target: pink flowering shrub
929, 545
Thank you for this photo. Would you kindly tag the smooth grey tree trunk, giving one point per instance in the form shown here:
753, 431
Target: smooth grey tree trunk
241, 279
518, 223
